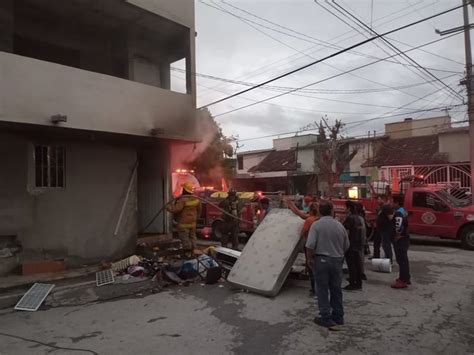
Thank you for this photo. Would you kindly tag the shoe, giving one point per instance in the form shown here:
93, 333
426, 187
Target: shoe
352, 288
327, 324
399, 284
364, 277
338, 321
408, 282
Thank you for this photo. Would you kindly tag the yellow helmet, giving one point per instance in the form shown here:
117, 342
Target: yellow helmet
188, 187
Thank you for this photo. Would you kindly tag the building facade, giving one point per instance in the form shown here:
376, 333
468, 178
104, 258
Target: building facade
88, 112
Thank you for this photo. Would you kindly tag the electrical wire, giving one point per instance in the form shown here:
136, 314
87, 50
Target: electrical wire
267, 67
311, 84
314, 129
391, 45
297, 50
333, 55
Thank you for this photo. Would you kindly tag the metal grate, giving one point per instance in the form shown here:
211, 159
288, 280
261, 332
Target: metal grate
34, 297
104, 277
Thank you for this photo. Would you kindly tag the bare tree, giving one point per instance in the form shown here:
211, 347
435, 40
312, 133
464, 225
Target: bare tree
332, 152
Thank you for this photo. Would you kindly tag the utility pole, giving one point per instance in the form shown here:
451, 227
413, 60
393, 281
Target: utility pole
470, 101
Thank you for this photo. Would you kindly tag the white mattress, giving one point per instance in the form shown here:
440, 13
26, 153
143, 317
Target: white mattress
266, 260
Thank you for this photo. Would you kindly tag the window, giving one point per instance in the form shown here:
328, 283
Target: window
240, 162
425, 200
49, 166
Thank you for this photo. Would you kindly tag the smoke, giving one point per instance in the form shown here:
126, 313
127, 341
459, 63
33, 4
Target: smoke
182, 154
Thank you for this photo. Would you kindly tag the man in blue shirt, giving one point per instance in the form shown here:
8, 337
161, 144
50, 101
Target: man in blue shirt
401, 243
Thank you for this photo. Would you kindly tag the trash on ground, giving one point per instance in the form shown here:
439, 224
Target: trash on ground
125, 263
34, 297
104, 277
382, 265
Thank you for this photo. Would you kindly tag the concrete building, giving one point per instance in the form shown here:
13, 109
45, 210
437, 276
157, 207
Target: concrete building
416, 128
87, 116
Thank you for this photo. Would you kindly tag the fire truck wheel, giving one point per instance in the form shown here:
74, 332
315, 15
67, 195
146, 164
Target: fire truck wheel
467, 237
217, 230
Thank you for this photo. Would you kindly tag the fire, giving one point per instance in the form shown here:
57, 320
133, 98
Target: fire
184, 171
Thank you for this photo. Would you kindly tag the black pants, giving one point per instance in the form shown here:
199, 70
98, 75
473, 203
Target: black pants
377, 244
354, 266
230, 230
401, 253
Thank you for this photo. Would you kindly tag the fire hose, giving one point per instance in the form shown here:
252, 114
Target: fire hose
199, 198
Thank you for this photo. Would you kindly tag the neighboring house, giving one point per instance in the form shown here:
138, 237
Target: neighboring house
287, 167
441, 158
87, 116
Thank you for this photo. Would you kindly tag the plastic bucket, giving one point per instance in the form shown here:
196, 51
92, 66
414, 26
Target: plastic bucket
382, 265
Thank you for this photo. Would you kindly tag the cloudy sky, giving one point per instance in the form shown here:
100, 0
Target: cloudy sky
250, 41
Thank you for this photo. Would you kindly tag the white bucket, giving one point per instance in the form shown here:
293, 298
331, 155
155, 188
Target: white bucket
382, 265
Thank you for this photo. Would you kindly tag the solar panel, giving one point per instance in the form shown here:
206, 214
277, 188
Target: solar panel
34, 297
104, 277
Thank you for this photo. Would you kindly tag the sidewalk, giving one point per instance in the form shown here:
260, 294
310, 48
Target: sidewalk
17, 281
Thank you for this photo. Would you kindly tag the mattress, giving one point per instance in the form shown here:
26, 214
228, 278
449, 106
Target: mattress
266, 260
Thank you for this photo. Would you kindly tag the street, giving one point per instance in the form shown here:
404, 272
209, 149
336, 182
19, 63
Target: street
433, 316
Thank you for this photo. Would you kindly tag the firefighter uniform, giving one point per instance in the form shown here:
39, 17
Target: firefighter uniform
186, 210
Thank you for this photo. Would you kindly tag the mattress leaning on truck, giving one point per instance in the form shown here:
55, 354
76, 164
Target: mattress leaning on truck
266, 260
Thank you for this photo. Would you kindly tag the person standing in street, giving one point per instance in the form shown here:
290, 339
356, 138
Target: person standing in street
363, 235
353, 226
230, 228
309, 218
401, 243
377, 238
386, 229
186, 210
327, 242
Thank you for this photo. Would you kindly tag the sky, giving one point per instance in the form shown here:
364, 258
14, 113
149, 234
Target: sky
251, 41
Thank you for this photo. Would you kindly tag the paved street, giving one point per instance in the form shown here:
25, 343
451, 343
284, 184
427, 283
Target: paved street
433, 316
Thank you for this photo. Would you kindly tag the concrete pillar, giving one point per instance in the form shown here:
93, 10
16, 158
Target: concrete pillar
6, 25
165, 76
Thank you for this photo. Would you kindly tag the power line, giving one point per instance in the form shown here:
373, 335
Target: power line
314, 83
295, 49
334, 55
357, 20
267, 67
313, 129
311, 110
317, 91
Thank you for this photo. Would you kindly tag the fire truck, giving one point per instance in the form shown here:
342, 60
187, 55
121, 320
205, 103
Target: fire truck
211, 220
437, 210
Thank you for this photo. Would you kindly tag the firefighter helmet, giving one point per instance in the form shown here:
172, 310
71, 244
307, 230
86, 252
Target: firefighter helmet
188, 187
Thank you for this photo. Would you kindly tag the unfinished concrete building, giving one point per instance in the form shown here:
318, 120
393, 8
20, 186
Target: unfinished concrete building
88, 111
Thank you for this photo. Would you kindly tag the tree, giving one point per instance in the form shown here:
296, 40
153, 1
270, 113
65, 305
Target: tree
209, 156
332, 152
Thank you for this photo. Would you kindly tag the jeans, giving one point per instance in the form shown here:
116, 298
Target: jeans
328, 277
354, 266
310, 272
387, 246
377, 244
401, 253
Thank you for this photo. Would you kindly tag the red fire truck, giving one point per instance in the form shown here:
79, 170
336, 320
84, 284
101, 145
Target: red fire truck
436, 210
211, 220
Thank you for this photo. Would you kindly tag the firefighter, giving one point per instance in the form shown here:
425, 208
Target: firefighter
186, 210
230, 227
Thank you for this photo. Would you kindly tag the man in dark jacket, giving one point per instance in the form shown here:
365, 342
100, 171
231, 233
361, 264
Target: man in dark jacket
353, 226
401, 243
